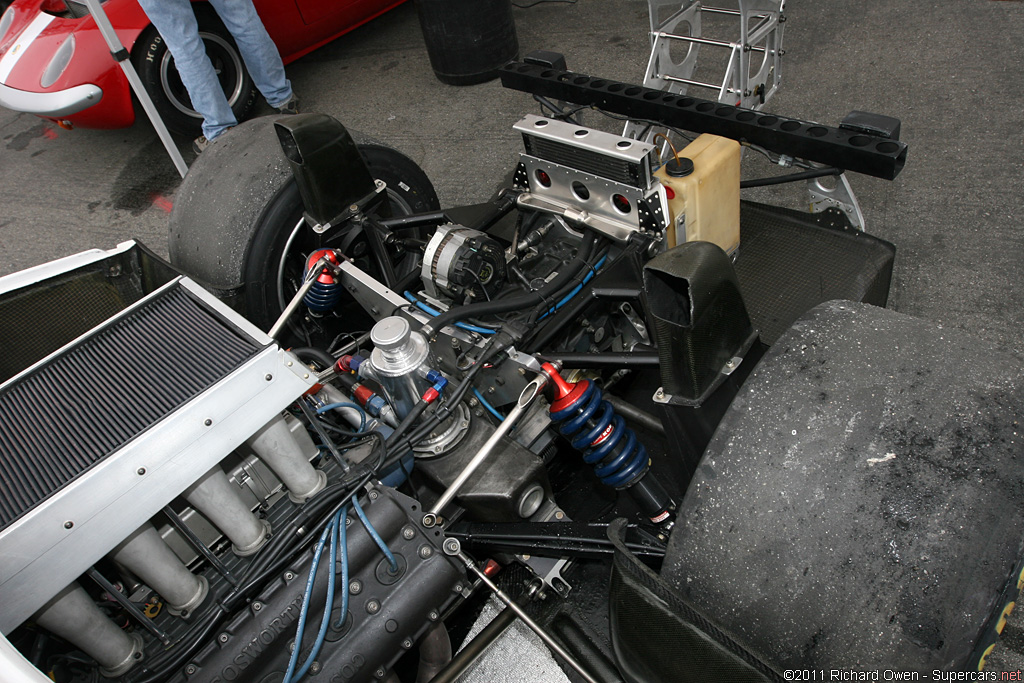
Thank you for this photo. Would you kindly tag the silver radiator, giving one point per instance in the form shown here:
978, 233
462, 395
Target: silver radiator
104, 432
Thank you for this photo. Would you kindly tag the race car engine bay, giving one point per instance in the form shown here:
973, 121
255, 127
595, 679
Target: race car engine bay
325, 469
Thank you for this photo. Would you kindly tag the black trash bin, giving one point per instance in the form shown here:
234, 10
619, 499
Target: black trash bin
468, 40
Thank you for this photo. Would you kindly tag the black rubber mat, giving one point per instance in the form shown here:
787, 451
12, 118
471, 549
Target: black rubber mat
790, 261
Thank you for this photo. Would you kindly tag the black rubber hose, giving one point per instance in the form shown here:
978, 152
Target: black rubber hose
636, 415
407, 422
398, 448
555, 296
517, 303
791, 178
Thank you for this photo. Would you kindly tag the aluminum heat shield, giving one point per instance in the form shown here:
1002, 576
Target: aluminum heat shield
101, 434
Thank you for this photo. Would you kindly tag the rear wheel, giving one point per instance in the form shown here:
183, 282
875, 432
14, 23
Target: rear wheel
155, 66
237, 227
275, 264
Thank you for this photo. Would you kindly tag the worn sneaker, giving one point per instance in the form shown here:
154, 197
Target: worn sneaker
289, 107
200, 144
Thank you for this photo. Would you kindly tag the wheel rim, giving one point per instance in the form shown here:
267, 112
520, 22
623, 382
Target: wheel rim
226, 62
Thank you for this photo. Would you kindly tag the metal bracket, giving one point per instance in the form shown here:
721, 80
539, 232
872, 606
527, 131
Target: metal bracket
841, 197
356, 208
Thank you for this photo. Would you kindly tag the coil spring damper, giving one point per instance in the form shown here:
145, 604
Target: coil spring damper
324, 294
608, 445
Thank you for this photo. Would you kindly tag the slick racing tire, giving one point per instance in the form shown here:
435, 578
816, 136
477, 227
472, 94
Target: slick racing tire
237, 226
155, 66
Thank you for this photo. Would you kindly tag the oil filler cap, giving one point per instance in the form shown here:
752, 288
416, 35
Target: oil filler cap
390, 333
679, 167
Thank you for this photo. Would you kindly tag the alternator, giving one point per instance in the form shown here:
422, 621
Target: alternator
459, 260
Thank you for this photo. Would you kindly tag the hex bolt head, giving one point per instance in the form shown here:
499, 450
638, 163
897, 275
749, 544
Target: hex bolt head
314, 668
372, 607
433, 616
190, 669
257, 606
457, 588
408, 533
426, 551
288, 576
223, 637
407, 644
379, 673
451, 546
355, 587
374, 495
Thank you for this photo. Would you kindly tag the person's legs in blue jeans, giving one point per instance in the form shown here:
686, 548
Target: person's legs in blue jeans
177, 25
259, 52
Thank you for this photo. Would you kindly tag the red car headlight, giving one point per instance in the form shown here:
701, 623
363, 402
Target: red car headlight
59, 62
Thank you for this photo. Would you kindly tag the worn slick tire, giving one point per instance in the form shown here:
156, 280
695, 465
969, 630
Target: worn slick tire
859, 506
155, 66
239, 204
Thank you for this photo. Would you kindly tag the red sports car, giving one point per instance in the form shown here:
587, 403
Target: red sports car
55, 64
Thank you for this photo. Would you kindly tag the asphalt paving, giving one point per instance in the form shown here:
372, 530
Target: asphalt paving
949, 69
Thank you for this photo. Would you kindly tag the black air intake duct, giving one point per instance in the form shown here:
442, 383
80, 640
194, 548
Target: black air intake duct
699, 319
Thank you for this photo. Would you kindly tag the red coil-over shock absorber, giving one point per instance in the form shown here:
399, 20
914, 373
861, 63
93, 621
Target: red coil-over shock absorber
608, 445
323, 296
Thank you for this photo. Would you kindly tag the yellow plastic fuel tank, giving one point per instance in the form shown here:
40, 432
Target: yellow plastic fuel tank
704, 203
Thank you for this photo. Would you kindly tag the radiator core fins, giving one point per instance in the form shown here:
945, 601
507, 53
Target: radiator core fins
83, 404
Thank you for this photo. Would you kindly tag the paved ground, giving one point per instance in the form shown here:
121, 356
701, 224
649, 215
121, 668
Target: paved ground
950, 69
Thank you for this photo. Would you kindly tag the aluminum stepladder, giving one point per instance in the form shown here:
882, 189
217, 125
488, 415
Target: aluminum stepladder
752, 72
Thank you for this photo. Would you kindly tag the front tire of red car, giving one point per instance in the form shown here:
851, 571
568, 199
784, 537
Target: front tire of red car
155, 66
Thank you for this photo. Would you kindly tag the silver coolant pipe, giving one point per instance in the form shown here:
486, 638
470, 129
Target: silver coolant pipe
220, 503
287, 452
146, 554
74, 616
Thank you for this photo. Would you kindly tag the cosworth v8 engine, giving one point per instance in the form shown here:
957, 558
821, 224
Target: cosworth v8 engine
520, 398
166, 447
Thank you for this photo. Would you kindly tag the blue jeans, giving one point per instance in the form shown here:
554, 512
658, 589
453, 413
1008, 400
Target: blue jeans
177, 25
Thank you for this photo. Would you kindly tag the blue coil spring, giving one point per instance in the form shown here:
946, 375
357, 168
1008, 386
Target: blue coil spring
585, 421
322, 297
